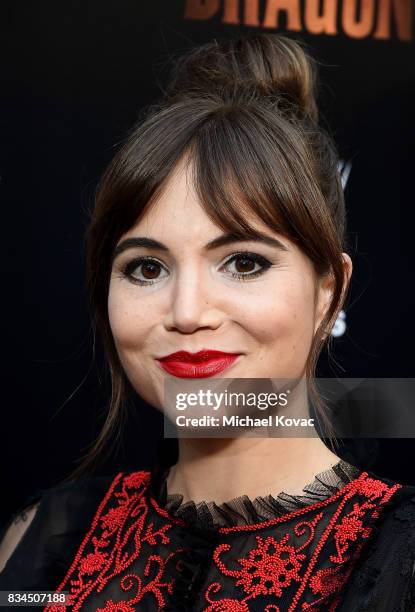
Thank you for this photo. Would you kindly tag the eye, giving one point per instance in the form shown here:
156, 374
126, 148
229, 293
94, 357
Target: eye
143, 270
243, 266
247, 265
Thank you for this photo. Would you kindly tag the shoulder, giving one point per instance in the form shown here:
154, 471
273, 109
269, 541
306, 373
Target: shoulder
49, 526
15, 530
384, 575
398, 513
84, 494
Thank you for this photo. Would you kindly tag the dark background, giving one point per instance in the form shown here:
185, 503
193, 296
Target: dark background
75, 76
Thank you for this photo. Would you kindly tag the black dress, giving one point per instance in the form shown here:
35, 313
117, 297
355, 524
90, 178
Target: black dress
119, 544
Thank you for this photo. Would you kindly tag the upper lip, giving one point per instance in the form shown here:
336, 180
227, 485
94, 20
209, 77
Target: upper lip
200, 356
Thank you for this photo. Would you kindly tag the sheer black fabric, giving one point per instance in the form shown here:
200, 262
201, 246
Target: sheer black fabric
63, 516
207, 543
244, 511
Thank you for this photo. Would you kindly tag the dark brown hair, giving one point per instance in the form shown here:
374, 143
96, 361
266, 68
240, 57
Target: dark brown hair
243, 114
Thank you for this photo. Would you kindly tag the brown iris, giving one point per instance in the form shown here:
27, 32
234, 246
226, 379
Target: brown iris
150, 270
244, 264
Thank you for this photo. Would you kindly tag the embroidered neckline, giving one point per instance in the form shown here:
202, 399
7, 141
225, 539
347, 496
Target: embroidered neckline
307, 554
242, 510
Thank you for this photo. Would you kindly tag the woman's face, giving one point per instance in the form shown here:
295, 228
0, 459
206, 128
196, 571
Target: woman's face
265, 305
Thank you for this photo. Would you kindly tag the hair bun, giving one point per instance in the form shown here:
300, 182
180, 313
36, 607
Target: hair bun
270, 64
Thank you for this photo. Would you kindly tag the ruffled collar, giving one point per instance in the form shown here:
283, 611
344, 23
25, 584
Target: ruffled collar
245, 511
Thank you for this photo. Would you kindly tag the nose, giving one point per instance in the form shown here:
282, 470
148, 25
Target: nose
192, 303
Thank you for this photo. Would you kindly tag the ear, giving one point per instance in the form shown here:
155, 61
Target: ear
325, 289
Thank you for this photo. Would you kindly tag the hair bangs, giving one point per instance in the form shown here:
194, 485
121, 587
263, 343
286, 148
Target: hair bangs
236, 183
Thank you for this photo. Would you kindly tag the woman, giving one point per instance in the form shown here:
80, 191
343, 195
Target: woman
217, 248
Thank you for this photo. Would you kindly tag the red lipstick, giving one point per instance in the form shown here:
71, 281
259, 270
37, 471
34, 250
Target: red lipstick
197, 365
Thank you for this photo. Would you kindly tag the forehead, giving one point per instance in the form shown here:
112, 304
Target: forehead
177, 199
178, 211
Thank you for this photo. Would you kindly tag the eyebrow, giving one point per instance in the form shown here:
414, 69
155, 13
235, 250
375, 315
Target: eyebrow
223, 240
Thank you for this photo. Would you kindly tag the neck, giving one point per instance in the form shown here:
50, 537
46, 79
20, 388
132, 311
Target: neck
218, 470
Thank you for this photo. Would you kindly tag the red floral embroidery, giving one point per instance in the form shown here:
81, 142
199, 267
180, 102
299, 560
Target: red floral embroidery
371, 488
272, 576
326, 581
288, 558
270, 567
92, 563
113, 532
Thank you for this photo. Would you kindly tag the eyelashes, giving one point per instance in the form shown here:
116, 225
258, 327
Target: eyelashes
150, 266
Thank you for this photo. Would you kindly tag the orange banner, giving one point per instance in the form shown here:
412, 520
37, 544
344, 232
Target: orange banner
381, 19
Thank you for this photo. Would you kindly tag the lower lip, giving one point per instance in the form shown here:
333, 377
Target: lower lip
210, 367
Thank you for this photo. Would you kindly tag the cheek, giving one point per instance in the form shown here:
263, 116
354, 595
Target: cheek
129, 320
283, 312
282, 322
131, 323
